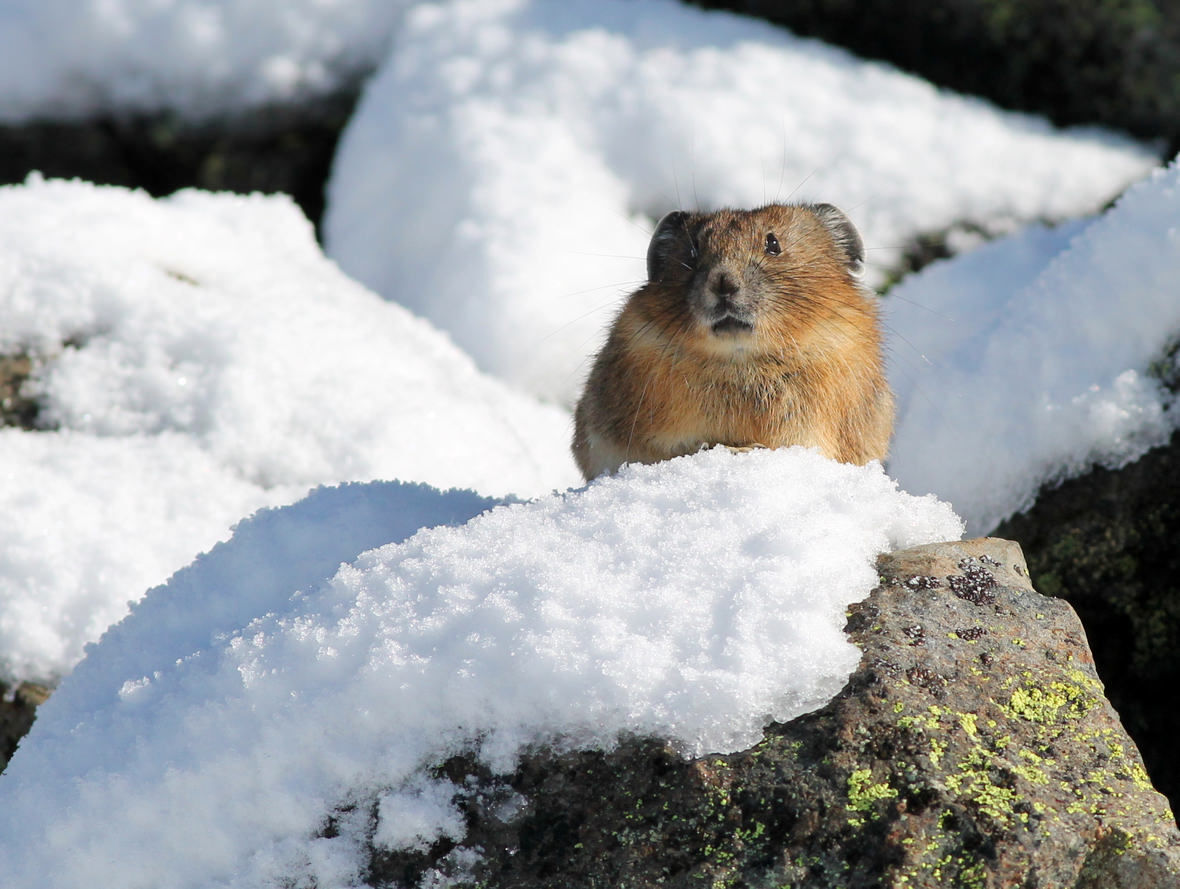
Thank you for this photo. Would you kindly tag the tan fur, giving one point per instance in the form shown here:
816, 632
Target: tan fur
807, 371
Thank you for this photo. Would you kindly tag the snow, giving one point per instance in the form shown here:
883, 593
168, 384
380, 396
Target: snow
524, 149
1027, 361
65, 59
200, 358
263, 689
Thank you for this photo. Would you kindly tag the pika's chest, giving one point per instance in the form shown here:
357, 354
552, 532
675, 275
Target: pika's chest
689, 407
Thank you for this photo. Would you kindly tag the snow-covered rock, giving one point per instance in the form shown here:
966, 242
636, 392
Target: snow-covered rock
199, 358
1026, 361
263, 691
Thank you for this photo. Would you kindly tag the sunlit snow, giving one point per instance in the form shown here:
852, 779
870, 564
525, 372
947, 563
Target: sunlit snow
1028, 360
199, 358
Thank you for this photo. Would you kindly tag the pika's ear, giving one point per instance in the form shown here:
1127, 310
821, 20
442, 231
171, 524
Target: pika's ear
670, 231
845, 235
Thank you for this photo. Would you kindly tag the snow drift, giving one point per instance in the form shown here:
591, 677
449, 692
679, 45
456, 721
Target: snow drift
197, 358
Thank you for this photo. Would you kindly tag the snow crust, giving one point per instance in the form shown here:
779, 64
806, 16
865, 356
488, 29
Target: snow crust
262, 690
522, 151
199, 358
1027, 360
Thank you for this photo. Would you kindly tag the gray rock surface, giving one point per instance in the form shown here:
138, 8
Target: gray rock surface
1106, 543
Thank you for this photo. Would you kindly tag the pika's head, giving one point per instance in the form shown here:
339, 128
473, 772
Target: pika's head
739, 281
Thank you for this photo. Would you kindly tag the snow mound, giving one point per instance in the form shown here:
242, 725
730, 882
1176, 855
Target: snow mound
503, 170
194, 58
1026, 361
257, 694
199, 358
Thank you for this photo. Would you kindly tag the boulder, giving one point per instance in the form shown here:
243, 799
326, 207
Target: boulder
1106, 542
972, 747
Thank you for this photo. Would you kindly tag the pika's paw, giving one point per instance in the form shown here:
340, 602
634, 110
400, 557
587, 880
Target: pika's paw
743, 448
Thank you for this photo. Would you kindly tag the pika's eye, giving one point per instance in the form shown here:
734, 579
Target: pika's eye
772, 245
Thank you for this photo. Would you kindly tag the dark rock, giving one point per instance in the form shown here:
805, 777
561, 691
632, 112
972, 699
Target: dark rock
18, 707
1106, 542
972, 747
272, 149
17, 406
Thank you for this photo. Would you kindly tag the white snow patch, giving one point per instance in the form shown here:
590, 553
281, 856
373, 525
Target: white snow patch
63, 59
503, 170
1026, 361
200, 358
252, 697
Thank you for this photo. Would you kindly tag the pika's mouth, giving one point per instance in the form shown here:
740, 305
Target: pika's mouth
732, 324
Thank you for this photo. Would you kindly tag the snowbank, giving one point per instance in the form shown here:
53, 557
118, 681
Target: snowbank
1026, 361
262, 691
199, 358
502, 171
194, 58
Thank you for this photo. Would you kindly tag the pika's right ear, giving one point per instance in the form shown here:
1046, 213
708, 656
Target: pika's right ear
670, 230
845, 236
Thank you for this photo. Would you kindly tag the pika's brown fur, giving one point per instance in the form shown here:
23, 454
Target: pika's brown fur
752, 330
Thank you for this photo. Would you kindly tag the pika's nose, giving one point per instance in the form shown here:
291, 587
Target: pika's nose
725, 285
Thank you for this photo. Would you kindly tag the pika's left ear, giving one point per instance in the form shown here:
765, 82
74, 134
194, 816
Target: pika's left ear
845, 235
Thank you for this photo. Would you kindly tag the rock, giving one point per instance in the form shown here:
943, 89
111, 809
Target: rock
18, 707
1106, 542
17, 408
972, 747
277, 148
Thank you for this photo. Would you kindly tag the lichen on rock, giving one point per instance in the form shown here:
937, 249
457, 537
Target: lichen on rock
1105, 542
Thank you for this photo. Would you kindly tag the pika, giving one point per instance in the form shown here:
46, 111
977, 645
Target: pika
753, 330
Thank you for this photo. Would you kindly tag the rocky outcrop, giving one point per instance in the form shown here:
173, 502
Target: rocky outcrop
973, 747
1106, 542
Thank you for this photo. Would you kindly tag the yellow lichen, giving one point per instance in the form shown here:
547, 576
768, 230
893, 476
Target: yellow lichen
937, 749
863, 794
